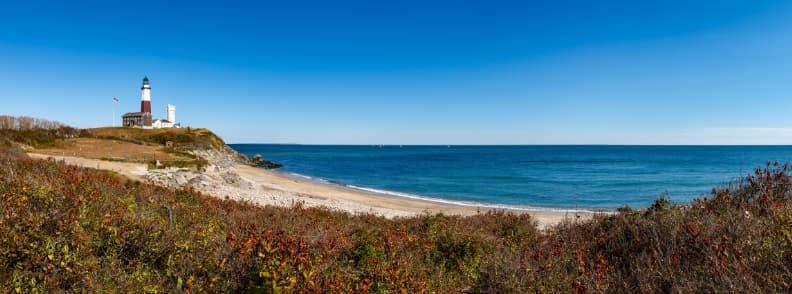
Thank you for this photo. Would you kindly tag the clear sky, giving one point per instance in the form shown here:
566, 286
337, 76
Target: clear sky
412, 72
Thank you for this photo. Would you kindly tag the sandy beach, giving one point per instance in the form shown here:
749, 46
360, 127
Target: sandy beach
264, 187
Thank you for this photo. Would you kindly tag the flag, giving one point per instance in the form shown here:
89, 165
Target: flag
115, 99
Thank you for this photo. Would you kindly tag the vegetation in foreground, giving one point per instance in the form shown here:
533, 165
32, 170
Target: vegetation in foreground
74, 229
68, 228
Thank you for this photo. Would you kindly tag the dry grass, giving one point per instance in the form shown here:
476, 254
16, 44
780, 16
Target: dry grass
182, 137
119, 144
111, 149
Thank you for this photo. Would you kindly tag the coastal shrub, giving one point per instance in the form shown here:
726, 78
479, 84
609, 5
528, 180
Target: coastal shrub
730, 241
64, 228
38, 138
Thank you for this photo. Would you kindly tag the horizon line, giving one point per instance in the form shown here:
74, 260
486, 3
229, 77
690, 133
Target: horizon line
517, 145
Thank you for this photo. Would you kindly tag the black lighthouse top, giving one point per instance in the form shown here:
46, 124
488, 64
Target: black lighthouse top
145, 82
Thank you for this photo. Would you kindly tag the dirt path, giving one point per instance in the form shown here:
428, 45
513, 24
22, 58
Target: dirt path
134, 171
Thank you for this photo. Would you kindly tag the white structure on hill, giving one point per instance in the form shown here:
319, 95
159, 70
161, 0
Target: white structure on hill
171, 112
170, 122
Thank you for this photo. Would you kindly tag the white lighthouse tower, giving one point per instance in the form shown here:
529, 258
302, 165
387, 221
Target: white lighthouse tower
143, 118
171, 113
145, 96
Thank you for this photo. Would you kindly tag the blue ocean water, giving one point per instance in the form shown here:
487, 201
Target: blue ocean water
568, 177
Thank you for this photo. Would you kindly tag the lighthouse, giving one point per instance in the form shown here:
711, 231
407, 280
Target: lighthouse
143, 119
145, 96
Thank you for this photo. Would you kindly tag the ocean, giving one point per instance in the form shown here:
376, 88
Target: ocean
526, 177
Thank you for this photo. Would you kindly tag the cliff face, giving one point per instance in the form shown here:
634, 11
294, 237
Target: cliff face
223, 156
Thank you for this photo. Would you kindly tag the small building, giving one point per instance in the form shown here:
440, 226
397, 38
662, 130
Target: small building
163, 123
137, 119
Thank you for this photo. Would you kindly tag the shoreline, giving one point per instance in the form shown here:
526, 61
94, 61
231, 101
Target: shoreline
266, 187
436, 200
407, 206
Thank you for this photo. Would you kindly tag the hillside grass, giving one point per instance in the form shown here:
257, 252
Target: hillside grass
75, 229
112, 149
188, 138
38, 137
117, 144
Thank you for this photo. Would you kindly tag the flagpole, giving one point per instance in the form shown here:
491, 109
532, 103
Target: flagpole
115, 101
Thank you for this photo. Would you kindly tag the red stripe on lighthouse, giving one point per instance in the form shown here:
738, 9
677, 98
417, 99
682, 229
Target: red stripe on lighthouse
145, 106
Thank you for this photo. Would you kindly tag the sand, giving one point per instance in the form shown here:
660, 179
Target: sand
264, 187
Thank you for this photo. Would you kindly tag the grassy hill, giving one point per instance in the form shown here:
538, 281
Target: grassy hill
181, 137
119, 144
42, 137
169, 147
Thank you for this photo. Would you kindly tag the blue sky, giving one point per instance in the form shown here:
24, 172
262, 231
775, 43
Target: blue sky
412, 72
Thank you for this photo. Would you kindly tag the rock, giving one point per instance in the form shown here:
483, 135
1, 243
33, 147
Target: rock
231, 178
199, 180
258, 161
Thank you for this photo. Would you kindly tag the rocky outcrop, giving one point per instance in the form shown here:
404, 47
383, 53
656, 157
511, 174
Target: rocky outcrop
218, 178
225, 157
258, 161
215, 179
